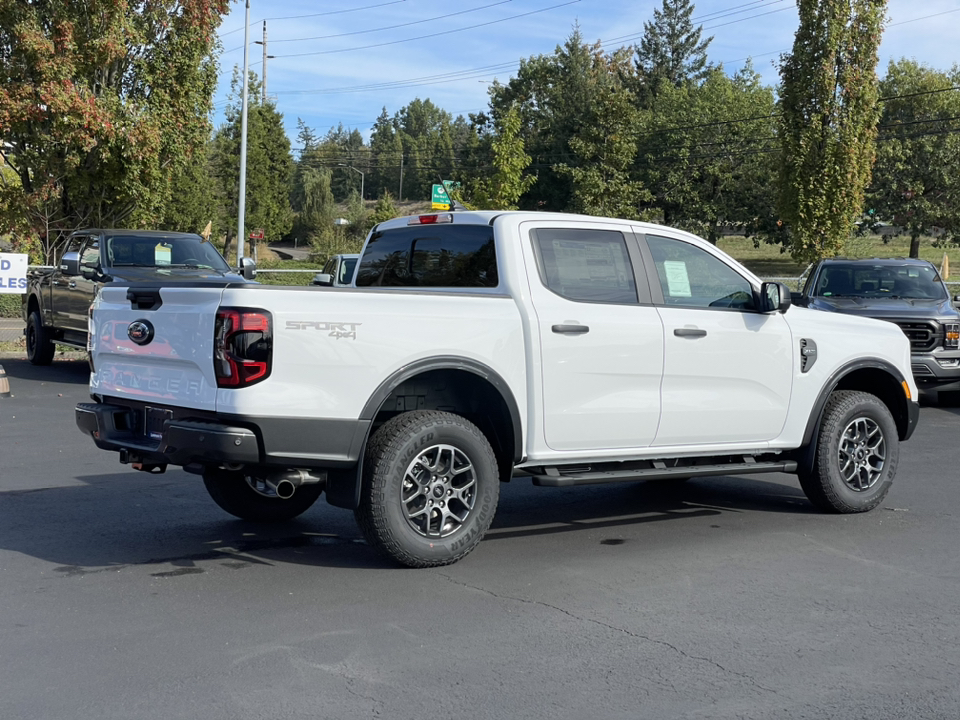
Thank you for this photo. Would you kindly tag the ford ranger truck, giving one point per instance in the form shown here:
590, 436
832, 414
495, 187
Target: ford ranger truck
571, 350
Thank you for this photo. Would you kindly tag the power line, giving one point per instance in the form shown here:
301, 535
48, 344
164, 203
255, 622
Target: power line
330, 12
386, 27
431, 35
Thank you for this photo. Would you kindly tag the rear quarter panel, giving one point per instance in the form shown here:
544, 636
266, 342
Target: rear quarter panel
332, 348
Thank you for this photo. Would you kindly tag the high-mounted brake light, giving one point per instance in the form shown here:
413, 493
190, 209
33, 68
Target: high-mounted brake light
243, 347
430, 219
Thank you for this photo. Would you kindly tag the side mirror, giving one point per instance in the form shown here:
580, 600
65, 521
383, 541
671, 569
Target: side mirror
70, 263
322, 279
248, 268
956, 298
775, 297
89, 272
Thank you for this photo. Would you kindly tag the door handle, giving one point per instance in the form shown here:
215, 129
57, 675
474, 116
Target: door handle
570, 329
690, 332
73, 283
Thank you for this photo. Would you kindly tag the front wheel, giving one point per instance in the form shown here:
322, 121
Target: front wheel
430, 488
249, 498
40, 349
857, 452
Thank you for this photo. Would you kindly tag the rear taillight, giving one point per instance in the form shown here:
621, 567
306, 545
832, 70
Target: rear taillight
243, 346
951, 335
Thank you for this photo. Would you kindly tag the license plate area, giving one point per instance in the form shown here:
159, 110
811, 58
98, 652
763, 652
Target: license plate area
153, 420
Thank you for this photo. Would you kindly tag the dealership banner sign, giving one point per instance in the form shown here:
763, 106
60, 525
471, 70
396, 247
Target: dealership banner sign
13, 273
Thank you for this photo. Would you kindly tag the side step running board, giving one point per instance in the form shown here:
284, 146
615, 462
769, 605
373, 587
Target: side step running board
555, 477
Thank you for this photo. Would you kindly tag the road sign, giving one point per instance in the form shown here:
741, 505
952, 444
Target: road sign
439, 200
256, 234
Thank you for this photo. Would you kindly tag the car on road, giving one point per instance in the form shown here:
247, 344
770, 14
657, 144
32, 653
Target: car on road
905, 291
337, 271
57, 301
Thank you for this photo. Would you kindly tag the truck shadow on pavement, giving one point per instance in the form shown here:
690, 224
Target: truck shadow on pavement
72, 371
166, 525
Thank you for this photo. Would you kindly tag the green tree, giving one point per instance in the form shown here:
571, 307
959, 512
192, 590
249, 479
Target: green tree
503, 188
604, 153
916, 178
707, 155
386, 155
102, 105
269, 163
196, 198
550, 92
384, 210
671, 50
829, 112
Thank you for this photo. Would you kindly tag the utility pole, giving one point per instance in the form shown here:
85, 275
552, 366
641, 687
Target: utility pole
263, 87
400, 194
242, 199
263, 94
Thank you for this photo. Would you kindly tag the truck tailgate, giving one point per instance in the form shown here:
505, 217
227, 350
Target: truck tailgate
175, 364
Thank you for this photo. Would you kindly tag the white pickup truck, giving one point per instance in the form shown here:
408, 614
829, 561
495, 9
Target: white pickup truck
471, 346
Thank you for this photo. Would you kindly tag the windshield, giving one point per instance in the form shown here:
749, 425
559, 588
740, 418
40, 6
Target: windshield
160, 252
907, 282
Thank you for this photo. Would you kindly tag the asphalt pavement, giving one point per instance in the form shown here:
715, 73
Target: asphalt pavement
125, 596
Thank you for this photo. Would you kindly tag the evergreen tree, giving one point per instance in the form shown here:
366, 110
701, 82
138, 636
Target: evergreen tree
671, 49
269, 163
549, 93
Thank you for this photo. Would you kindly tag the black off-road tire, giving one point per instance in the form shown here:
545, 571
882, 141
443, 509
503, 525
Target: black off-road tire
231, 491
39, 348
828, 484
443, 453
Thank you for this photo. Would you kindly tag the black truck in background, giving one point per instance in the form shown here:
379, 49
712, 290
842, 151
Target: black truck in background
57, 301
905, 291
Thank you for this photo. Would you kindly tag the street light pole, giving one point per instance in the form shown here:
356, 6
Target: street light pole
350, 167
242, 199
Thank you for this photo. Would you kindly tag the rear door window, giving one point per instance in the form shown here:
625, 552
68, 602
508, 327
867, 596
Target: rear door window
586, 265
440, 256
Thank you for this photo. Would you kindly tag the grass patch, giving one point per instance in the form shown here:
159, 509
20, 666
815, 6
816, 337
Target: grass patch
309, 267
768, 260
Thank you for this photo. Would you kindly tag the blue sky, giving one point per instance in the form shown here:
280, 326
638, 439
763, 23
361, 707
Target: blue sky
342, 62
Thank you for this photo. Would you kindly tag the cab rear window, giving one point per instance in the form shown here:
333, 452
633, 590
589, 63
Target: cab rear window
440, 256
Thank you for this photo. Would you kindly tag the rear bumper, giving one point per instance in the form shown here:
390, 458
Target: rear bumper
113, 427
189, 437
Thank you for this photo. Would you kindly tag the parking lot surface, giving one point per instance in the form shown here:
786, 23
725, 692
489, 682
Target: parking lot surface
126, 595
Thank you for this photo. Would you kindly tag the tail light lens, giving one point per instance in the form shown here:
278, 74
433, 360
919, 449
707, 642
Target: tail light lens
243, 346
951, 335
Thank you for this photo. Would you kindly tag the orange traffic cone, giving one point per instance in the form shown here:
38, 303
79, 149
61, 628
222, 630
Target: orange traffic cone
4, 384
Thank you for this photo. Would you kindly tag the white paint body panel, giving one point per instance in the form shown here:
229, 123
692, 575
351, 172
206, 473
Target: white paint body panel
628, 389
176, 367
316, 374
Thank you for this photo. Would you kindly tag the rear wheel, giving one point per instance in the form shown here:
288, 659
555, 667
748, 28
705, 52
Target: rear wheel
40, 349
430, 488
857, 452
248, 497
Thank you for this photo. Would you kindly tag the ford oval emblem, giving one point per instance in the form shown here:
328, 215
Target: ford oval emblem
140, 331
